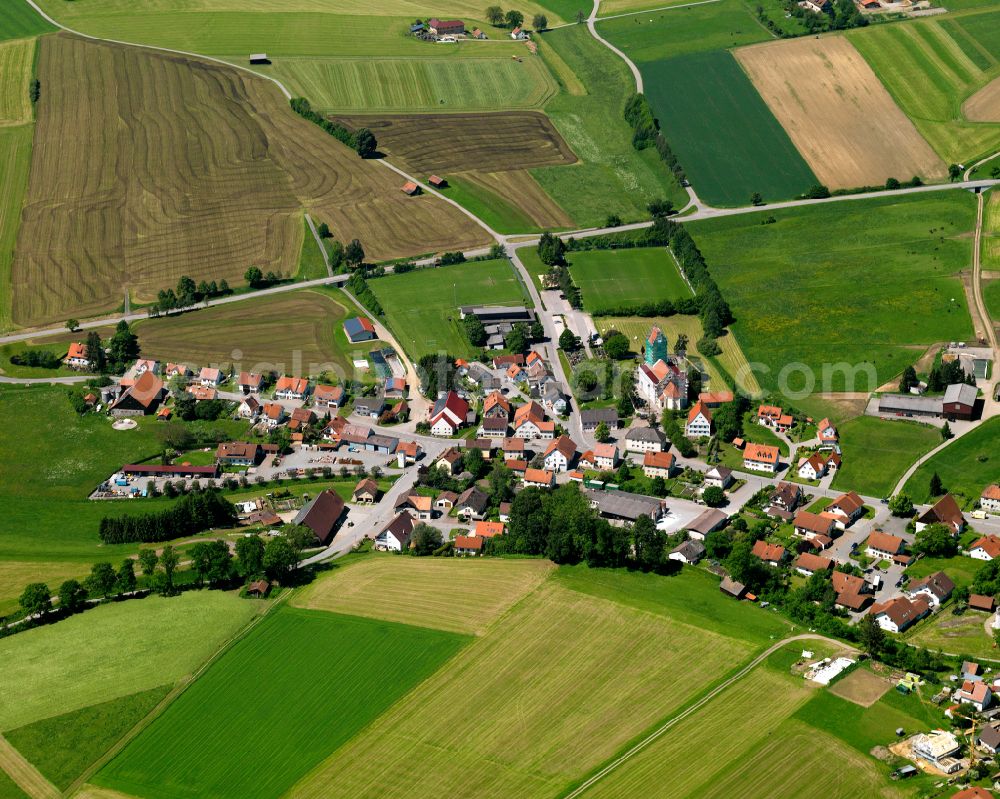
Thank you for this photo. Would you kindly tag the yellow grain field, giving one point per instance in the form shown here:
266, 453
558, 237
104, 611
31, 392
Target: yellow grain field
553, 689
15, 76
462, 596
149, 166
837, 112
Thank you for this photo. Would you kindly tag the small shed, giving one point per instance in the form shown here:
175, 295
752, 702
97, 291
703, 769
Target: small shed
732, 588
981, 602
410, 188
259, 58
437, 182
258, 588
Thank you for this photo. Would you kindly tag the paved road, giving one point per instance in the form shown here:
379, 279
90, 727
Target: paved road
672, 722
988, 330
592, 27
31, 381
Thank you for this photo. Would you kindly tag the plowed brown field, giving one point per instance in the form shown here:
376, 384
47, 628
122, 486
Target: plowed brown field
838, 114
149, 166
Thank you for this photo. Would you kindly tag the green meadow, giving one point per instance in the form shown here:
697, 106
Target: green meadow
850, 288
19, 20
877, 452
280, 700
966, 466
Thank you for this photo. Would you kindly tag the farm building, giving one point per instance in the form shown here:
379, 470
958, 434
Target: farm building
620, 507
76, 357
238, 453
591, 419
359, 329
168, 470
689, 552
366, 492
410, 188
959, 402
706, 522
446, 27
732, 588
259, 58
141, 398
945, 511
322, 514
437, 182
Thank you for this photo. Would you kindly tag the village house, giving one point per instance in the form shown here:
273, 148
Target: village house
529, 422
472, 504
936, 588
760, 458
291, 388
945, 511
645, 439
177, 370
202, 393
714, 399
76, 356
826, 433
395, 536
985, 548
141, 398
898, 614
369, 407
273, 414
366, 492
659, 464
845, 509
465, 545
394, 387
210, 377
416, 505
539, 478
938, 748
408, 453
606, 457
493, 427
519, 34
884, 546
514, 449
322, 515
250, 382
771, 554
699, 422
496, 406
450, 460
976, 693
249, 408
238, 453
689, 552
485, 529
989, 500
809, 525
988, 738
817, 465
621, 507
559, 454
768, 415
719, 477
301, 417
328, 399
708, 521
807, 564
787, 496
853, 592
449, 415
593, 418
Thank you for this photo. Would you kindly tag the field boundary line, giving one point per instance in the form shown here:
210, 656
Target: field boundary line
181, 686
319, 243
691, 709
28, 778
654, 10
47, 18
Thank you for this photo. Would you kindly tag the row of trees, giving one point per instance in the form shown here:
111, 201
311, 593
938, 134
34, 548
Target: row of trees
499, 18
187, 295
362, 140
646, 132
194, 513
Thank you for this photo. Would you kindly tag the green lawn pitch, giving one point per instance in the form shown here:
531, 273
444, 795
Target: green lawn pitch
613, 278
966, 466
878, 451
422, 306
866, 283
299, 686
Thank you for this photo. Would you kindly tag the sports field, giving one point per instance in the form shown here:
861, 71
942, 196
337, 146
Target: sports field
419, 84
726, 138
321, 677
838, 115
678, 31
955, 58
422, 306
15, 74
877, 452
565, 680
612, 177
803, 292
114, 651
966, 466
15, 162
208, 213
613, 278
462, 597
296, 333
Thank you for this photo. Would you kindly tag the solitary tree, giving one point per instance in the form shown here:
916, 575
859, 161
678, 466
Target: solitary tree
354, 254
954, 172
365, 143
616, 346
602, 433
72, 596
680, 344
936, 488
756, 198
660, 208
168, 560
125, 581
901, 505
580, 17
946, 431
72, 324
35, 599
908, 380
872, 635
713, 496
514, 19
539, 22
425, 539
102, 579
568, 341
494, 16
147, 562
254, 277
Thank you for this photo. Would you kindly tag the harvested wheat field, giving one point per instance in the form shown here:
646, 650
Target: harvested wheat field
491, 151
984, 105
150, 166
837, 112
15, 74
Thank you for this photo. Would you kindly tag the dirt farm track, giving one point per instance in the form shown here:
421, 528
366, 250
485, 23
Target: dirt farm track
145, 164
837, 112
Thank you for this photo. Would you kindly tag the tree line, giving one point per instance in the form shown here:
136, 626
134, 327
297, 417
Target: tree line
362, 141
194, 513
646, 132
187, 295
